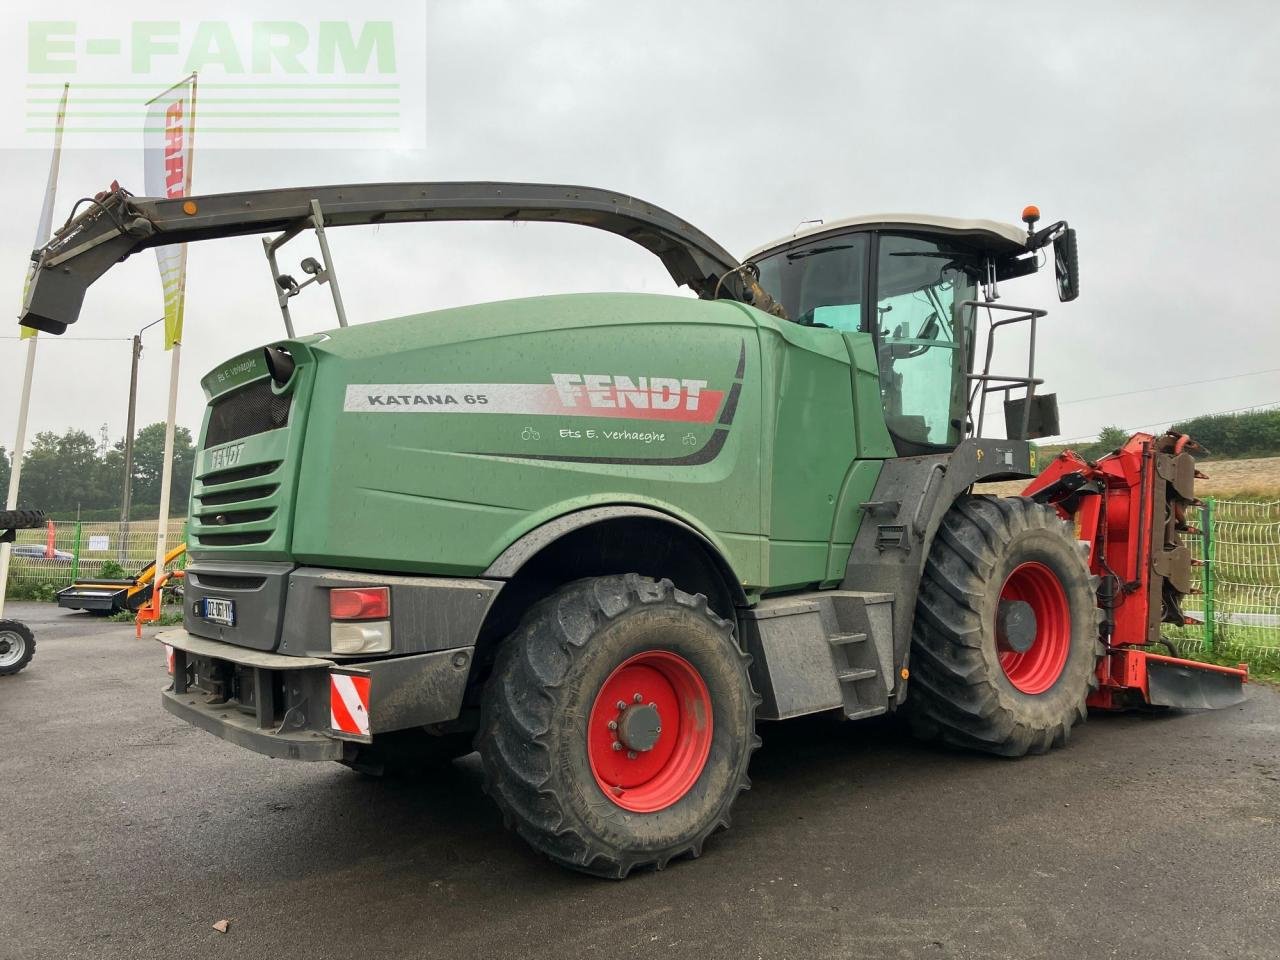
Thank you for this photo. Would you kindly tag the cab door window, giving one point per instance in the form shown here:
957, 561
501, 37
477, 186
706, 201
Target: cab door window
921, 339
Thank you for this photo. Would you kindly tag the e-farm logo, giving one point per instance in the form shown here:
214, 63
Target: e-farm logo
323, 79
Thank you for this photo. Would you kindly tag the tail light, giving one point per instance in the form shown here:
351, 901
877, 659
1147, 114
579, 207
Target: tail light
361, 620
360, 603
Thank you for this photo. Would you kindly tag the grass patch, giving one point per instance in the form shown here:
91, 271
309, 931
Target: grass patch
1261, 670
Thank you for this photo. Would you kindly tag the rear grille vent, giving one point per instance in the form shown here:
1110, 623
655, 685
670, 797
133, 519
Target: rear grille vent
236, 496
222, 581
245, 412
239, 473
233, 539
235, 516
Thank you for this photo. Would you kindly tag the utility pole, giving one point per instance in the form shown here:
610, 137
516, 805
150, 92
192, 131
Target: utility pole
127, 501
128, 432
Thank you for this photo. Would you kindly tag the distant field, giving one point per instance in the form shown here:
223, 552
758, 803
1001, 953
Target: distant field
1258, 477
1240, 476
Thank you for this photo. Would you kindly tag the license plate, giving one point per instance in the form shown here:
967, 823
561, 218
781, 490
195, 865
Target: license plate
219, 611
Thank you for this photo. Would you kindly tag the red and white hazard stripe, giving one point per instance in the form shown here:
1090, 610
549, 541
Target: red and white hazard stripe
349, 704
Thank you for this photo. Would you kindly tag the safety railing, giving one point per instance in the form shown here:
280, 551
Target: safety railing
986, 382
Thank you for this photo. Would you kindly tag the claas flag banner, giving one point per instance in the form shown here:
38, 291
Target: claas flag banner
169, 136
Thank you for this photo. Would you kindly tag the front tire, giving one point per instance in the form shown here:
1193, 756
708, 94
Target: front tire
618, 724
17, 646
1005, 642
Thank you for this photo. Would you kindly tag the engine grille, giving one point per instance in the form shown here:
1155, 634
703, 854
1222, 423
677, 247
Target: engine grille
250, 410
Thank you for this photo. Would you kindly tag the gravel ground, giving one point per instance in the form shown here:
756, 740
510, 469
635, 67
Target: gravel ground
125, 833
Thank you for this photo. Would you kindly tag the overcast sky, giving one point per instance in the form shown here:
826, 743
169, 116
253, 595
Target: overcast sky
1151, 128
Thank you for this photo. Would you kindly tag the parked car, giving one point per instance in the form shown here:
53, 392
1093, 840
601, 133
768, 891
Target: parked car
34, 551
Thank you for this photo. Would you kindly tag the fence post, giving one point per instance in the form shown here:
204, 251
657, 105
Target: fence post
1209, 572
75, 555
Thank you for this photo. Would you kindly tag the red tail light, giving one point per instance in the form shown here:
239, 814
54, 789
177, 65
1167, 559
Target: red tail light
360, 603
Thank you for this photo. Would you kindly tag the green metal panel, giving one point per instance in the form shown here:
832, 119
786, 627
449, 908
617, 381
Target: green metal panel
859, 484
430, 443
873, 436
812, 445
266, 466
435, 441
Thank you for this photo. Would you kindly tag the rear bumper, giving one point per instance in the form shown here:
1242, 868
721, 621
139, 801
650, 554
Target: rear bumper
301, 708
227, 722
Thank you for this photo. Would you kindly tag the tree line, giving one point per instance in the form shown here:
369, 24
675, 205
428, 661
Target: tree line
1254, 433
69, 472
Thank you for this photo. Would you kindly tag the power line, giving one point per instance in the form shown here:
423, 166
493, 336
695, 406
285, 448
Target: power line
1172, 386
1194, 416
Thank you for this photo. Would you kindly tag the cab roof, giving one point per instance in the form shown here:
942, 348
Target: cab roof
1001, 239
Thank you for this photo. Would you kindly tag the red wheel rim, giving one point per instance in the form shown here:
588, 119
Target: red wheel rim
648, 771
1039, 667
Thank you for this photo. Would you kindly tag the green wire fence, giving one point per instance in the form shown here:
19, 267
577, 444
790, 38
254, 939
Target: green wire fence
1236, 607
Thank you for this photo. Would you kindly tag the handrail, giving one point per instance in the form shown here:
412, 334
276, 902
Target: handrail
981, 381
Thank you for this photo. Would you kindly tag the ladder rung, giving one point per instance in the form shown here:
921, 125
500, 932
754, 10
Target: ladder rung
859, 713
855, 673
837, 639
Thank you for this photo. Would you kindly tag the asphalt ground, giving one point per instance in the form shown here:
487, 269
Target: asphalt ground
125, 833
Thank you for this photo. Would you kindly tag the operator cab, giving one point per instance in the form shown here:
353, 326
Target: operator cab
915, 284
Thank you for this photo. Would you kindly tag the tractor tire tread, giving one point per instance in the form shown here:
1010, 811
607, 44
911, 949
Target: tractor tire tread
29, 645
518, 712
21, 519
956, 697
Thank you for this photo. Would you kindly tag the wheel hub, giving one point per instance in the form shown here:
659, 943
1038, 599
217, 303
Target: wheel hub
12, 648
639, 727
649, 731
1015, 625
1033, 628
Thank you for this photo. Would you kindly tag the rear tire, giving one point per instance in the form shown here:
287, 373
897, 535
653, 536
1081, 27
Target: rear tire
21, 519
585, 773
973, 689
17, 646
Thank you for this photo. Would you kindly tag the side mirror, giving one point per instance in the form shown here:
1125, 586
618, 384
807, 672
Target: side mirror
1066, 265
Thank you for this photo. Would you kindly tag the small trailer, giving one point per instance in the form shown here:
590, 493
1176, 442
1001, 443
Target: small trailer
103, 597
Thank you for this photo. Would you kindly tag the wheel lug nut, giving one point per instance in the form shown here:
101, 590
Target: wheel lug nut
653, 705
616, 745
622, 705
631, 754
657, 730
637, 698
613, 724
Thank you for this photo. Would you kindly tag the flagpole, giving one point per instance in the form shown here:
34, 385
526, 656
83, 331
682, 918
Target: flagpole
43, 231
175, 364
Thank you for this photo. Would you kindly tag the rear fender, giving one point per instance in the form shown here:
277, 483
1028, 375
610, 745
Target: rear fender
600, 541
